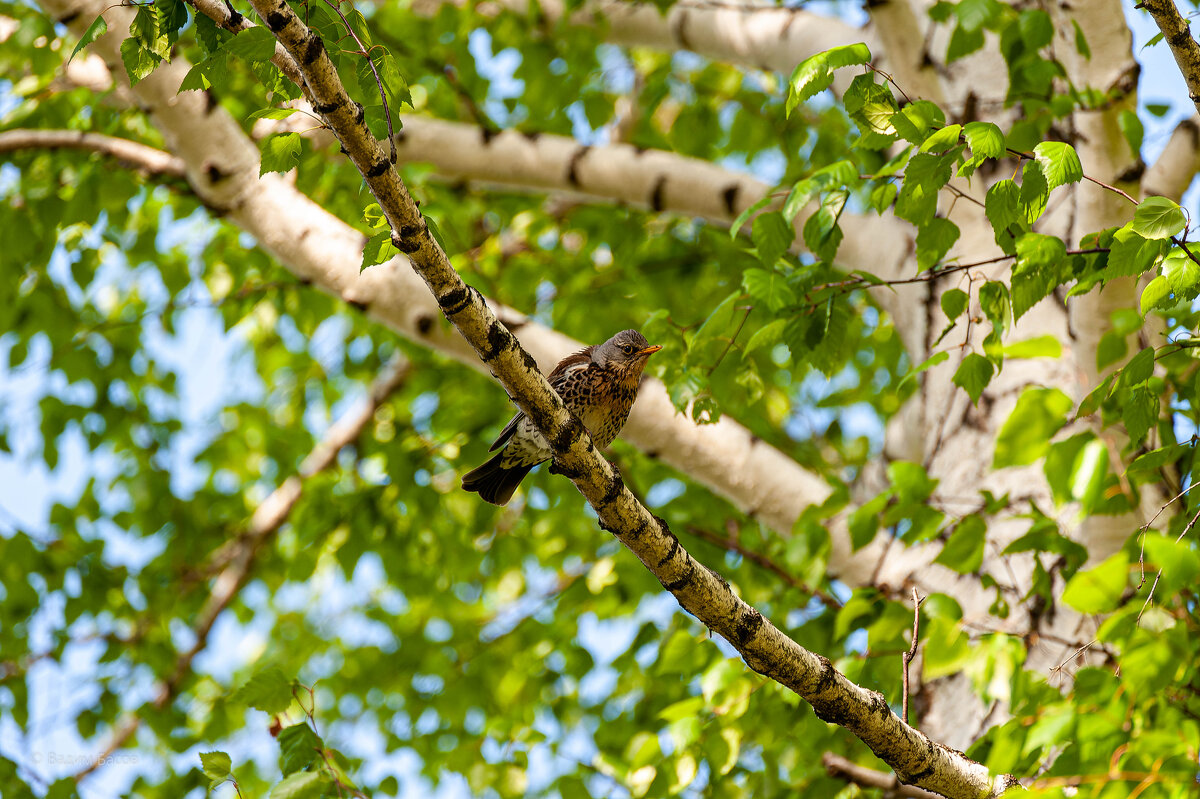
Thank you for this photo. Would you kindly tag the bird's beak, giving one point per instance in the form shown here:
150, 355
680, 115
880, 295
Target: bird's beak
650, 350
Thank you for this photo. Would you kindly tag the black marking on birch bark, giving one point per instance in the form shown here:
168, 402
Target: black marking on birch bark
557, 467
638, 531
638, 150
235, 18
683, 579
1133, 174
613, 490
455, 300
214, 173
488, 133
277, 21
328, 108
360, 113
825, 679
498, 340
526, 359
670, 552
379, 167
754, 440
653, 455
358, 305
400, 137
573, 164
679, 32
1179, 38
566, 434
424, 324
729, 197
69, 17
313, 49
657, 200
532, 135
304, 280
747, 627
408, 240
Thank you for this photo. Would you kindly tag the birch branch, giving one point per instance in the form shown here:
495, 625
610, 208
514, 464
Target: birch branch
699, 590
1178, 37
745, 34
267, 519
144, 158
657, 180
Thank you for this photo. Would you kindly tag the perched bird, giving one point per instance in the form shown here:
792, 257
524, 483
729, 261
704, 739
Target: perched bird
598, 384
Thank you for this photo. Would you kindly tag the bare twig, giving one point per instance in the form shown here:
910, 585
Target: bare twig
1178, 37
906, 658
838, 766
142, 157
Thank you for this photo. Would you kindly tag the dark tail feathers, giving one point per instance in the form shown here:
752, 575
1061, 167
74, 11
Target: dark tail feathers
493, 482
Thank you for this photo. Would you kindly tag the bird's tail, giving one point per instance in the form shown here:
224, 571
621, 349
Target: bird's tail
494, 481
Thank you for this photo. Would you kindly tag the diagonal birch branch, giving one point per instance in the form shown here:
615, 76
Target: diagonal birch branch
699, 590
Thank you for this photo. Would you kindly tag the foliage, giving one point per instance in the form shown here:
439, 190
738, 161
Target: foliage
397, 635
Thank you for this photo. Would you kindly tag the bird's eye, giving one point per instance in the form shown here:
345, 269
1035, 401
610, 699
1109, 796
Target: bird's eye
627, 349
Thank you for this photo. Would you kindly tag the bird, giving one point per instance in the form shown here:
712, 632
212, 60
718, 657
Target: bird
598, 384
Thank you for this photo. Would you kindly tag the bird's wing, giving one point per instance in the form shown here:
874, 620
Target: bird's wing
507, 432
565, 367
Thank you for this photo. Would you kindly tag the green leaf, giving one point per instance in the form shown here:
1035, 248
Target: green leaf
985, 139
1131, 253
973, 375
864, 521
1037, 347
934, 240
216, 765
301, 785
803, 191
942, 140
1025, 436
923, 179
1095, 397
1037, 270
768, 287
954, 303
768, 335
928, 363
280, 152
1182, 273
299, 747
1098, 590
272, 113
772, 236
1002, 204
97, 29
139, 62
267, 690
741, 219
378, 249
1139, 369
146, 31
172, 15
815, 73
973, 15
821, 233
1141, 412
1081, 45
964, 551
1059, 162
910, 481
1158, 218
252, 44
1156, 295
1132, 130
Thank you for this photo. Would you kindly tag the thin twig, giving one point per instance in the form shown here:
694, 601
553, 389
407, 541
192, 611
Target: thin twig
906, 658
362, 50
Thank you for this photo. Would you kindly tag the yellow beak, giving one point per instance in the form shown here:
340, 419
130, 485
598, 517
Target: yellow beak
650, 350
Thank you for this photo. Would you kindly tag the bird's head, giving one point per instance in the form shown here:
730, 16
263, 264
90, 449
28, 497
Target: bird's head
626, 351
